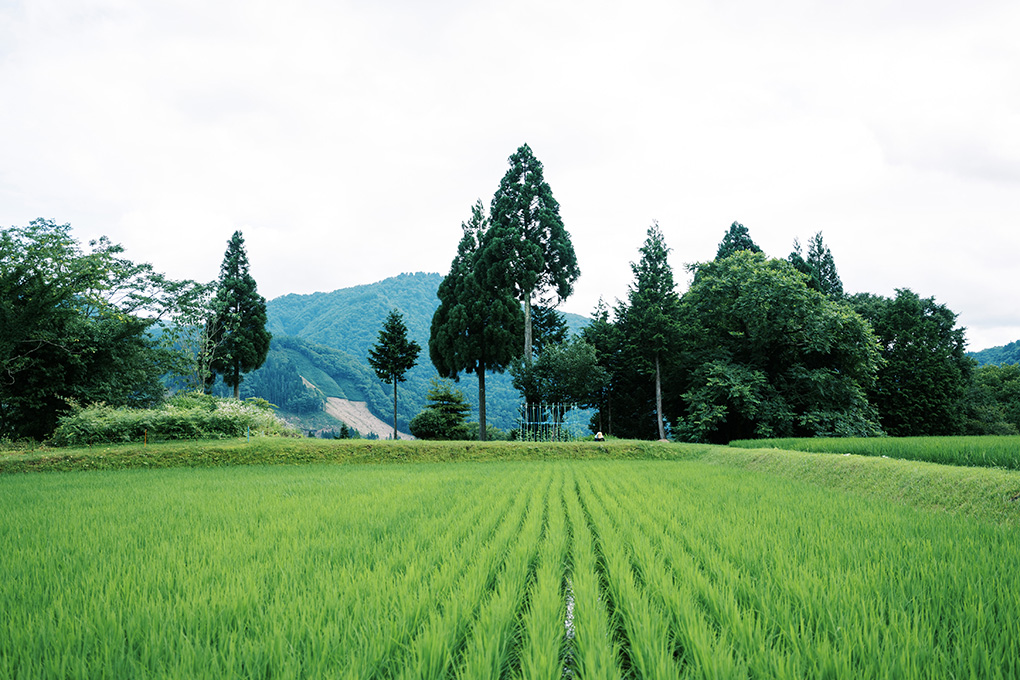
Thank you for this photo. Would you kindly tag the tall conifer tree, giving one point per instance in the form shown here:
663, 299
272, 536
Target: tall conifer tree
737, 238
475, 327
238, 326
650, 322
393, 356
528, 251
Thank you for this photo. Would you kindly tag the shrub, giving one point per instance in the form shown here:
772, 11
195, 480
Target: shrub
187, 416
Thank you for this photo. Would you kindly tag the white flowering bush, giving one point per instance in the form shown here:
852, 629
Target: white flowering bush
186, 416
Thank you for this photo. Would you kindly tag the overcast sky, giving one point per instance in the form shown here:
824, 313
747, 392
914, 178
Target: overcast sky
348, 140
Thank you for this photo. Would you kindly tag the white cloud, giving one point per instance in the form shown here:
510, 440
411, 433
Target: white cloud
349, 140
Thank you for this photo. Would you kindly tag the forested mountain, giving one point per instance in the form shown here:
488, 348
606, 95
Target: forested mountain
999, 356
324, 338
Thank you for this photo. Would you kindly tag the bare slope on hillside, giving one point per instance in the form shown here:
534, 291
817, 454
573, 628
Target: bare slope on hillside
357, 415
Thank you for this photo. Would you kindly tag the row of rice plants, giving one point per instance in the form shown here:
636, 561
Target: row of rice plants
241, 572
983, 451
602, 569
805, 583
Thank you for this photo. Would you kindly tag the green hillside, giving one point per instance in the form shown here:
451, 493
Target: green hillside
1006, 354
325, 338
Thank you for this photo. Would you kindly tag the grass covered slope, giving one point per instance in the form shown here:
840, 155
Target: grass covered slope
670, 568
295, 451
991, 494
984, 451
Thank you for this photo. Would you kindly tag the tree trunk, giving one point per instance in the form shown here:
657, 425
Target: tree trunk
658, 398
481, 402
394, 408
237, 380
527, 327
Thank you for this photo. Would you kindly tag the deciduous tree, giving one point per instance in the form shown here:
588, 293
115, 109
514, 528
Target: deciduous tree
925, 371
767, 356
76, 324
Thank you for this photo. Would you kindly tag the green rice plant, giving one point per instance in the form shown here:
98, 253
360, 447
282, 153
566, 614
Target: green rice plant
596, 568
545, 625
978, 451
595, 652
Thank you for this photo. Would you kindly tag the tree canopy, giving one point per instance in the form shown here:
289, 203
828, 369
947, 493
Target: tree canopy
925, 372
76, 326
649, 323
393, 355
819, 266
767, 356
527, 250
737, 238
475, 327
237, 332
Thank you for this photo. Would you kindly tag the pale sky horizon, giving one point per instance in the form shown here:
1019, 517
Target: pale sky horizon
348, 140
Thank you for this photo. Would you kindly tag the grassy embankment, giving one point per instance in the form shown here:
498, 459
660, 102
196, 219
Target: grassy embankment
992, 494
984, 451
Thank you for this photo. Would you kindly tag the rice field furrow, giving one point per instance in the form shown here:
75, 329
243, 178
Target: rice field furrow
663, 568
544, 626
595, 651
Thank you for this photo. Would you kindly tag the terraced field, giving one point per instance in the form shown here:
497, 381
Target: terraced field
591, 569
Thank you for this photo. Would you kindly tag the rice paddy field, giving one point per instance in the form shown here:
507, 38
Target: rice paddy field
984, 451
511, 569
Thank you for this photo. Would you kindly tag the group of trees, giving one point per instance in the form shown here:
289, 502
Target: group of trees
763, 347
509, 266
85, 325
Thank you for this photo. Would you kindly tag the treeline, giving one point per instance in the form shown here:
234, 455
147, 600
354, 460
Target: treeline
761, 347
83, 325
756, 347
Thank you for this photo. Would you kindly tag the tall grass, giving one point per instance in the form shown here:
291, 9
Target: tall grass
983, 451
465, 570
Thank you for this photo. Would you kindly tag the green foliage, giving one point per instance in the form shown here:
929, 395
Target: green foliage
819, 267
527, 251
767, 356
992, 405
923, 379
567, 373
737, 238
604, 337
75, 325
237, 332
475, 326
445, 415
345, 324
184, 416
649, 327
1006, 354
548, 327
393, 356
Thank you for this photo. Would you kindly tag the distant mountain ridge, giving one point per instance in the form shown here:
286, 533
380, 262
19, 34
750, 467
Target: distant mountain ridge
324, 339
1005, 354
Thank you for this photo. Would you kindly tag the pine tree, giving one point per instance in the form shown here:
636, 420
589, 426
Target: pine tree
649, 323
528, 251
475, 326
736, 239
819, 266
237, 328
393, 356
